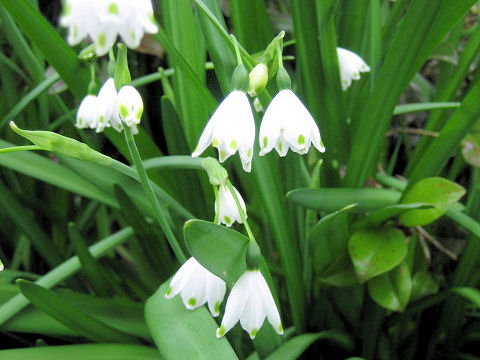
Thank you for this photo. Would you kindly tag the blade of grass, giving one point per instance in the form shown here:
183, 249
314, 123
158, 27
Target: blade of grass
422, 29
63, 271
27, 224
440, 150
79, 321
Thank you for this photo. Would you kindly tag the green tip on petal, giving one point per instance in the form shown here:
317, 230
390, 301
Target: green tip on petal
215, 142
280, 329
169, 291
123, 111
102, 40
221, 331
249, 152
265, 141
253, 333
233, 144
192, 301
227, 219
216, 307
301, 139
112, 8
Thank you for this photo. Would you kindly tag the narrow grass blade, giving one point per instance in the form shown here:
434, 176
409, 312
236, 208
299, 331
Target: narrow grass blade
79, 321
63, 271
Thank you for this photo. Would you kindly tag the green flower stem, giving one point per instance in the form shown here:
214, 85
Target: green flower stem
19, 148
174, 162
162, 194
63, 271
147, 188
242, 213
217, 205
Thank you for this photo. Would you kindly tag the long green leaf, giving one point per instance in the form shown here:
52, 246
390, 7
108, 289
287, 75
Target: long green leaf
82, 323
82, 352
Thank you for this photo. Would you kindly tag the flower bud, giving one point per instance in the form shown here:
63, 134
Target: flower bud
258, 79
54, 142
130, 105
217, 175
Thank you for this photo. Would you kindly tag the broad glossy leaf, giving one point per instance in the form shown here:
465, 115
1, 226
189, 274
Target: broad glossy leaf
436, 191
219, 249
375, 251
392, 290
82, 352
328, 238
181, 334
327, 199
471, 294
378, 217
423, 284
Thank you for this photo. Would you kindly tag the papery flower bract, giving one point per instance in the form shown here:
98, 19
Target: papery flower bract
230, 128
288, 124
351, 65
87, 112
197, 286
250, 301
130, 105
227, 208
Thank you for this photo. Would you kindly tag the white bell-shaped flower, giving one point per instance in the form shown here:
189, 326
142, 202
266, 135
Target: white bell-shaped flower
107, 112
197, 286
227, 208
351, 65
130, 105
87, 113
230, 128
250, 301
288, 124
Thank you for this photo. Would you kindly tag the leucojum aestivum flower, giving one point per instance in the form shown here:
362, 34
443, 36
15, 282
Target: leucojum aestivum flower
286, 124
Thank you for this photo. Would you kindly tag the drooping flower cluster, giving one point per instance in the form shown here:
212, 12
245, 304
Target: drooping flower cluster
111, 109
104, 20
286, 124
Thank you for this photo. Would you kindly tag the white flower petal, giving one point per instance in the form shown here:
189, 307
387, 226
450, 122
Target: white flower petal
87, 112
193, 294
269, 305
215, 289
181, 278
235, 304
